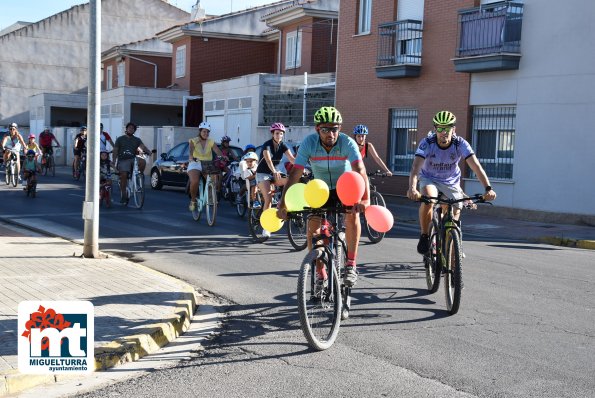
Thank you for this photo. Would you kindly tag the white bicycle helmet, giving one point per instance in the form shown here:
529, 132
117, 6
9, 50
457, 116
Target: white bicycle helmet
250, 155
205, 125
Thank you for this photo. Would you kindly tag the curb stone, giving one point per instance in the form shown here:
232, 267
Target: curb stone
119, 351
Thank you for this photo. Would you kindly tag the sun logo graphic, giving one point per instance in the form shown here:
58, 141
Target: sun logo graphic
56, 337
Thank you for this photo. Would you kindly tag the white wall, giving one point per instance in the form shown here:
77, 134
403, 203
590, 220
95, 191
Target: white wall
53, 54
555, 98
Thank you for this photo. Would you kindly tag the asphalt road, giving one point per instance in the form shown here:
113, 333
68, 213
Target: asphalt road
525, 327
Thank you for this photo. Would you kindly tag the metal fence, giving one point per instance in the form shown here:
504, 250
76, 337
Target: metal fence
403, 139
293, 100
490, 29
399, 42
493, 131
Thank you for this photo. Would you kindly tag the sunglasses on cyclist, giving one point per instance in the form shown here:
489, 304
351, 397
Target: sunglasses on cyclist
329, 129
443, 129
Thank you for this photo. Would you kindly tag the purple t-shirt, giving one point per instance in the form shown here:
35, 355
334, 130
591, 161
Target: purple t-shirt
442, 164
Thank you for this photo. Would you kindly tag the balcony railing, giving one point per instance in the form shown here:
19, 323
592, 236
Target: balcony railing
491, 32
399, 49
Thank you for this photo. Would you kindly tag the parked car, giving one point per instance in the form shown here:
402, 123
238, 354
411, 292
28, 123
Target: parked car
169, 170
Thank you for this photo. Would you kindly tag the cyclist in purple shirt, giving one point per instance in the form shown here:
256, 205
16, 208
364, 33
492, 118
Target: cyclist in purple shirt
437, 165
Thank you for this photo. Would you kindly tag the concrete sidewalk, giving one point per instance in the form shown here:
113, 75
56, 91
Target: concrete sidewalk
137, 310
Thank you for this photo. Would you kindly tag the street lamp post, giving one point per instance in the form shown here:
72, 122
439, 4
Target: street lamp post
91, 203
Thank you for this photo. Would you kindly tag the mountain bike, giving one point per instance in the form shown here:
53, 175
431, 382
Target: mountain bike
375, 199
206, 199
322, 306
446, 249
48, 163
11, 175
135, 188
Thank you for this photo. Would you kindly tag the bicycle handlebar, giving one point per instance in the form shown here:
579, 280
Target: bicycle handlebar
477, 198
377, 173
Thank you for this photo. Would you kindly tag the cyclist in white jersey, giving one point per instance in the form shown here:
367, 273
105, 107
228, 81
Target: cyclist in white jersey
13, 141
436, 166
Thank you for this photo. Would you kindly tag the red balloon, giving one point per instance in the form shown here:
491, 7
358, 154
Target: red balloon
379, 218
350, 188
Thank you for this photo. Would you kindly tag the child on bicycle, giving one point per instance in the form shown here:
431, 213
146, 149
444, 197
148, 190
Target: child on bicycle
105, 172
30, 169
248, 173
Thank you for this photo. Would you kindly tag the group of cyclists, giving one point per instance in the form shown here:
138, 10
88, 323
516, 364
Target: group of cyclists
328, 153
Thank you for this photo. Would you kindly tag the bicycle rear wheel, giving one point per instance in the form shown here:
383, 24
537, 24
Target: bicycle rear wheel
241, 205
211, 204
319, 308
52, 165
296, 232
453, 274
432, 260
373, 235
138, 191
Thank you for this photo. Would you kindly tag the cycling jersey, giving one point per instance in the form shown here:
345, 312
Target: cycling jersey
442, 164
29, 165
45, 138
276, 155
328, 166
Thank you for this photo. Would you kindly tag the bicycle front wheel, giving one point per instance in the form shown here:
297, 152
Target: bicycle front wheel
453, 273
45, 167
254, 226
14, 177
319, 306
199, 203
138, 191
211, 204
296, 232
432, 259
7, 174
373, 235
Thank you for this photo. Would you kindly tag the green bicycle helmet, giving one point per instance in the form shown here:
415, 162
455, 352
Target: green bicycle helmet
328, 114
444, 118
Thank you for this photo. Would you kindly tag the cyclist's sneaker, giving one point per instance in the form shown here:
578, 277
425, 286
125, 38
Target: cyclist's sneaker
266, 234
423, 246
350, 273
192, 206
256, 205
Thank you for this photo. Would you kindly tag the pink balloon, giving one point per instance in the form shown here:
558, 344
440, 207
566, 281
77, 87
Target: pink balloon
350, 188
379, 218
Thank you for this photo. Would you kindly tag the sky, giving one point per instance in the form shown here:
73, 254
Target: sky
35, 10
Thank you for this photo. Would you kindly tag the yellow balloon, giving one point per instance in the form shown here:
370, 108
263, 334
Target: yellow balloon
316, 193
294, 198
270, 221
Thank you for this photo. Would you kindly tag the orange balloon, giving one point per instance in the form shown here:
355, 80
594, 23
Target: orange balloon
379, 218
350, 188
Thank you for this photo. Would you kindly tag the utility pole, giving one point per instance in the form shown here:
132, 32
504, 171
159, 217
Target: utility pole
91, 203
